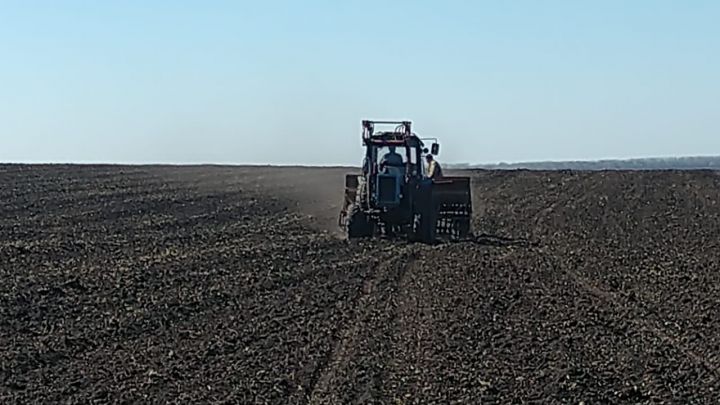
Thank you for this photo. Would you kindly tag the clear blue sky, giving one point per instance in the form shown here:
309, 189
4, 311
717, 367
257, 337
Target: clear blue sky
290, 81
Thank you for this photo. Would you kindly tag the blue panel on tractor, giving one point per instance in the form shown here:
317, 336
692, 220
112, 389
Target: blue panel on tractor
388, 190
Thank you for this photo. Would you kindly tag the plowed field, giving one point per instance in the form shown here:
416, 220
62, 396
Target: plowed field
180, 284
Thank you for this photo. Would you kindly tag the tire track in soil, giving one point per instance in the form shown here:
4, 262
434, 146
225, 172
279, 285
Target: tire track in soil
354, 369
147, 327
609, 300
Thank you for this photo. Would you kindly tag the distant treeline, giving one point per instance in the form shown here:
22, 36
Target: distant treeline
681, 163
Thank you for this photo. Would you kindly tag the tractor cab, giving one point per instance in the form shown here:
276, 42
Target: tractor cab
393, 162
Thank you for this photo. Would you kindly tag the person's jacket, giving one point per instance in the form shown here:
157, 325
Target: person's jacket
392, 159
434, 170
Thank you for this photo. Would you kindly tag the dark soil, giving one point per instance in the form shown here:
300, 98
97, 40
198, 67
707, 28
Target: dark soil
229, 284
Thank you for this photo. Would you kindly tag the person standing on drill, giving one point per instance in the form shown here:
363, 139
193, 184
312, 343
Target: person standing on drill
434, 171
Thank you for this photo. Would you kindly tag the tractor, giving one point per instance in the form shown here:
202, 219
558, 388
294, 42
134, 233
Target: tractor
393, 197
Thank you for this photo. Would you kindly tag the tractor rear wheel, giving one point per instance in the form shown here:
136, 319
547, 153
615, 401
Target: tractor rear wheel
428, 226
424, 227
358, 223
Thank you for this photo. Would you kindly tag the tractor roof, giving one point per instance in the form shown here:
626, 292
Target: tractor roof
401, 136
393, 138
